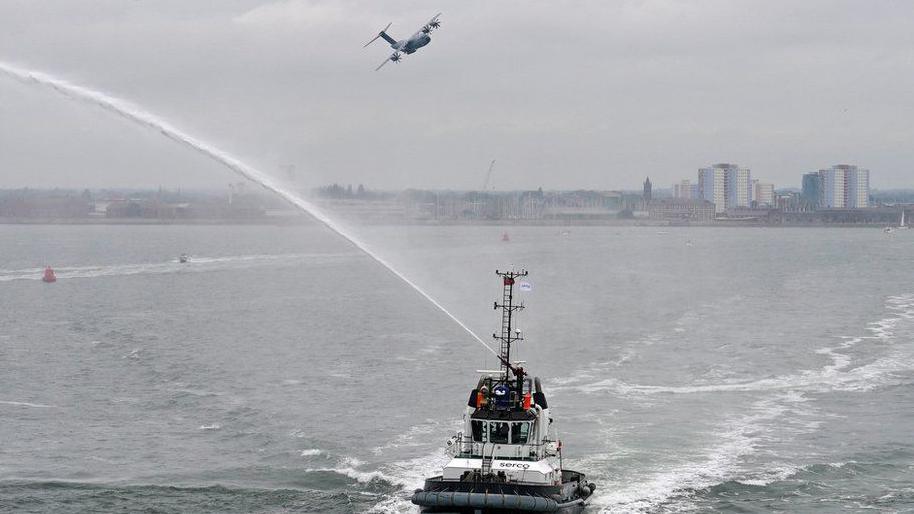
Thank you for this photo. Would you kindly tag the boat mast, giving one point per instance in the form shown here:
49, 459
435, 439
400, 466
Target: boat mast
508, 307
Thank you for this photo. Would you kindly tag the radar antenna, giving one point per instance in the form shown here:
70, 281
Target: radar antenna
507, 336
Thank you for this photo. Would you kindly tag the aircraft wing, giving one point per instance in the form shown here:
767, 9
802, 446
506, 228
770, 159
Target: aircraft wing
432, 24
383, 63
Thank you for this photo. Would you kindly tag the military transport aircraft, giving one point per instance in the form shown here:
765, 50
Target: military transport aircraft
410, 45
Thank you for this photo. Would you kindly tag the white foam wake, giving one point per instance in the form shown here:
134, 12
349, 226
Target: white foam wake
673, 484
140, 116
839, 374
197, 264
409, 475
350, 467
27, 404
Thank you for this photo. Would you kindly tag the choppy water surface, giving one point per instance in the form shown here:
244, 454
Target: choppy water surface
283, 371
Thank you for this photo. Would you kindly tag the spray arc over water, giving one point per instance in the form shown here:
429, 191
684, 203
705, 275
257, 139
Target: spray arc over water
142, 117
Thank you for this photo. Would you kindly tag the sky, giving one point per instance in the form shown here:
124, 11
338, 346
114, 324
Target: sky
563, 94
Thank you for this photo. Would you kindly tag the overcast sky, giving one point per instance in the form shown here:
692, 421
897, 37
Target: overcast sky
564, 94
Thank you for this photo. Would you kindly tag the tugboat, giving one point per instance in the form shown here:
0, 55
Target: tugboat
507, 459
49, 275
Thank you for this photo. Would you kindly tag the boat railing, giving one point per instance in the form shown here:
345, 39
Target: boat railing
464, 446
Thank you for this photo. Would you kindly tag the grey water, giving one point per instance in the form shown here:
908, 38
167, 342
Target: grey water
283, 370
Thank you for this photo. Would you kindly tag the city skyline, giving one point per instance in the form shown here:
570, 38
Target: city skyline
632, 183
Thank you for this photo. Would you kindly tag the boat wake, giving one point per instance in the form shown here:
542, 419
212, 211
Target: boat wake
783, 411
409, 475
350, 468
196, 265
27, 404
674, 484
839, 374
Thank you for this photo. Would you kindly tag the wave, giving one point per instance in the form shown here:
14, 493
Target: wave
364, 477
410, 475
27, 404
721, 462
196, 264
839, 374
412, 436
105, 496
349, 468
676, 486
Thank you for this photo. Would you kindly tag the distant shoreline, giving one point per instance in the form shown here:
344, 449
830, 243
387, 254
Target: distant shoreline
148, 221
305, 220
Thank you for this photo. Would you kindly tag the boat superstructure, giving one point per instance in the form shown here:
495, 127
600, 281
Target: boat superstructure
507, 458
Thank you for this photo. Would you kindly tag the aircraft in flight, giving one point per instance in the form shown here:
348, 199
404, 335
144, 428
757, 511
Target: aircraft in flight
409, 45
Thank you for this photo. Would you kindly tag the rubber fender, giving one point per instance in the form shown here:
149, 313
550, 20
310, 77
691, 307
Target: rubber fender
514, 502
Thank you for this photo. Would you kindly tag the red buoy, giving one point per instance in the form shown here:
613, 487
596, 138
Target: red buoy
49, 275
505, 238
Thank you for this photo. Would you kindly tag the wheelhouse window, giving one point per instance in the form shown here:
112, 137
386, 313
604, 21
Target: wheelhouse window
479, 430
498, 432
520, 433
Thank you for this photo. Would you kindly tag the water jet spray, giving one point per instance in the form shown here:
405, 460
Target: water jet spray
142, 117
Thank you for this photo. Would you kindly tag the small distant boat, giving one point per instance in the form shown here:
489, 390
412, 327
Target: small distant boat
901, 225
689, 243
183, 258
49, 276
505, 237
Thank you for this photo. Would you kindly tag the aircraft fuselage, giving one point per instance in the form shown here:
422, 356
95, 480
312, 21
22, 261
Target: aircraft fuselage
412, 44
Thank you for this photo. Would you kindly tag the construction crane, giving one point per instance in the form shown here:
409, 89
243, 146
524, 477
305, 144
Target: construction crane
485, 184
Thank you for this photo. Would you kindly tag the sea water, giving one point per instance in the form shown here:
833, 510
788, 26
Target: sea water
283, 370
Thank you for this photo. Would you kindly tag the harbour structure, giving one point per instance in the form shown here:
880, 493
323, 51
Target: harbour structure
508, 457
684, 210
